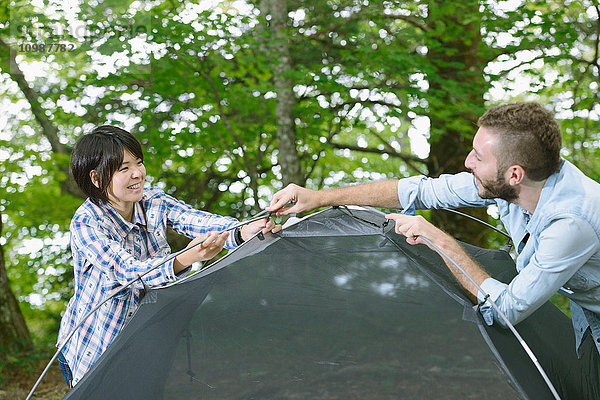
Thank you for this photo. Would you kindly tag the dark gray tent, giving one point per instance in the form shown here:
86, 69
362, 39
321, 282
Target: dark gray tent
336, 306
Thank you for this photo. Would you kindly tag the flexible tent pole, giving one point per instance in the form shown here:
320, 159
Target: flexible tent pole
486, 295
268, 214
477, 220
261, 215
504, 318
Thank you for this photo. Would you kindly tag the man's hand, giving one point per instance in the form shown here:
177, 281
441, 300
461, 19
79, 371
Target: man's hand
212, 245
303, 199
266, 225
417, 227
413, 227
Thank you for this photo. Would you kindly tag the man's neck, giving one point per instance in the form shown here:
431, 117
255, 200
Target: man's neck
529, 195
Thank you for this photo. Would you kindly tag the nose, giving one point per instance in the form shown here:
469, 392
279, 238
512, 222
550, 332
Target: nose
469, 161
137, 171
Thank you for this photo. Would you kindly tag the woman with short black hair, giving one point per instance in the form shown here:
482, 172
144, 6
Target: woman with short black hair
118, 234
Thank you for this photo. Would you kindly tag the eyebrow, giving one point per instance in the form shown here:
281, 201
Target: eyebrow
127, 162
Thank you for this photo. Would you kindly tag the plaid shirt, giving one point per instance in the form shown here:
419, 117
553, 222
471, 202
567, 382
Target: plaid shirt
110, 252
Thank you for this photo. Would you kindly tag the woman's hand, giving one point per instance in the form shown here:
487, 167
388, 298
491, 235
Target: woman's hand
265, 225
213, 243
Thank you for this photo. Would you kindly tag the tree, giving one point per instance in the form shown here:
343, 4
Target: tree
40, 193
13, 329
231, 102
567, 78
289, 161
408, 60
455, 97
396, 61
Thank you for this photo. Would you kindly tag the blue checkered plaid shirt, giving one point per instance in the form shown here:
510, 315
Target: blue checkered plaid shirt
110, 252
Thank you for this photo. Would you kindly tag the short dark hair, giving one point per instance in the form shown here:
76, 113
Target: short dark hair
530, 135
102, 150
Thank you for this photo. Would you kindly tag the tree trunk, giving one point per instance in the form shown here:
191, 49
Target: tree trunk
289, 159
14, 334
455, 102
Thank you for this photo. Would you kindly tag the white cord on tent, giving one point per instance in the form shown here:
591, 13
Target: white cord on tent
504, 318
258, 216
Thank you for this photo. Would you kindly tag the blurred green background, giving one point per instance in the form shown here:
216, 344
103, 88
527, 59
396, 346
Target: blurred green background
232, 100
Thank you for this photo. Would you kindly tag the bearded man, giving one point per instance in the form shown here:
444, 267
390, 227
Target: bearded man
548, 206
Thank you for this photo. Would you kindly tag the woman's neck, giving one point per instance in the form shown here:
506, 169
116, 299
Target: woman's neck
125, 209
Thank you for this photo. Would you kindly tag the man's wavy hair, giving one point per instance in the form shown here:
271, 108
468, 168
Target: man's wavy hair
101, 150
529, 137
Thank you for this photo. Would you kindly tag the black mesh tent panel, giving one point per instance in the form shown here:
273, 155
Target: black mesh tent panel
335, 307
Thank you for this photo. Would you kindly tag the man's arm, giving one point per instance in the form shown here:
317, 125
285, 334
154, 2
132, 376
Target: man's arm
563, 248
417, 227
375, 194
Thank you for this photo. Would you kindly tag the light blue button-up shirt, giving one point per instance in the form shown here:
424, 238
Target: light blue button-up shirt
559, 244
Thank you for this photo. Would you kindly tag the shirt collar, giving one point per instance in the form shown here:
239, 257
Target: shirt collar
547, 192
124, 226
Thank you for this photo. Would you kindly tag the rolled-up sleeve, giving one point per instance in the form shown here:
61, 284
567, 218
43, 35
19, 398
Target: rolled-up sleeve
562, 248
192, 222
446, 191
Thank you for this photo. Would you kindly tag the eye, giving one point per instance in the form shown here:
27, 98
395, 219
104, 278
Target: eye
140, 162
123, 169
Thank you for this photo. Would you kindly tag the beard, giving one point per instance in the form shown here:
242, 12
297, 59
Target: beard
497, 189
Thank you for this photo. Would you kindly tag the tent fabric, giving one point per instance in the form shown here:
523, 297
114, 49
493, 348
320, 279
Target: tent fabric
336, 306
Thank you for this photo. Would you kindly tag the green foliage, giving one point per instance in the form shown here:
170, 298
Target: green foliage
200, 96
562, 303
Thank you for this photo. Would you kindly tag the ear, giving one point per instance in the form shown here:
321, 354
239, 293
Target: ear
515, 174
95, 178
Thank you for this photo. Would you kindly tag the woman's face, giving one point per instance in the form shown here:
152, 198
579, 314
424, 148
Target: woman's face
127, 184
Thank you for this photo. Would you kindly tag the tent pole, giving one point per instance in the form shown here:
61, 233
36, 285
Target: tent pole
504, 318
261, 215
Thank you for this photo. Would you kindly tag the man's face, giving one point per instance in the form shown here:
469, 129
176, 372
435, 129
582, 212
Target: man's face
482, 162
